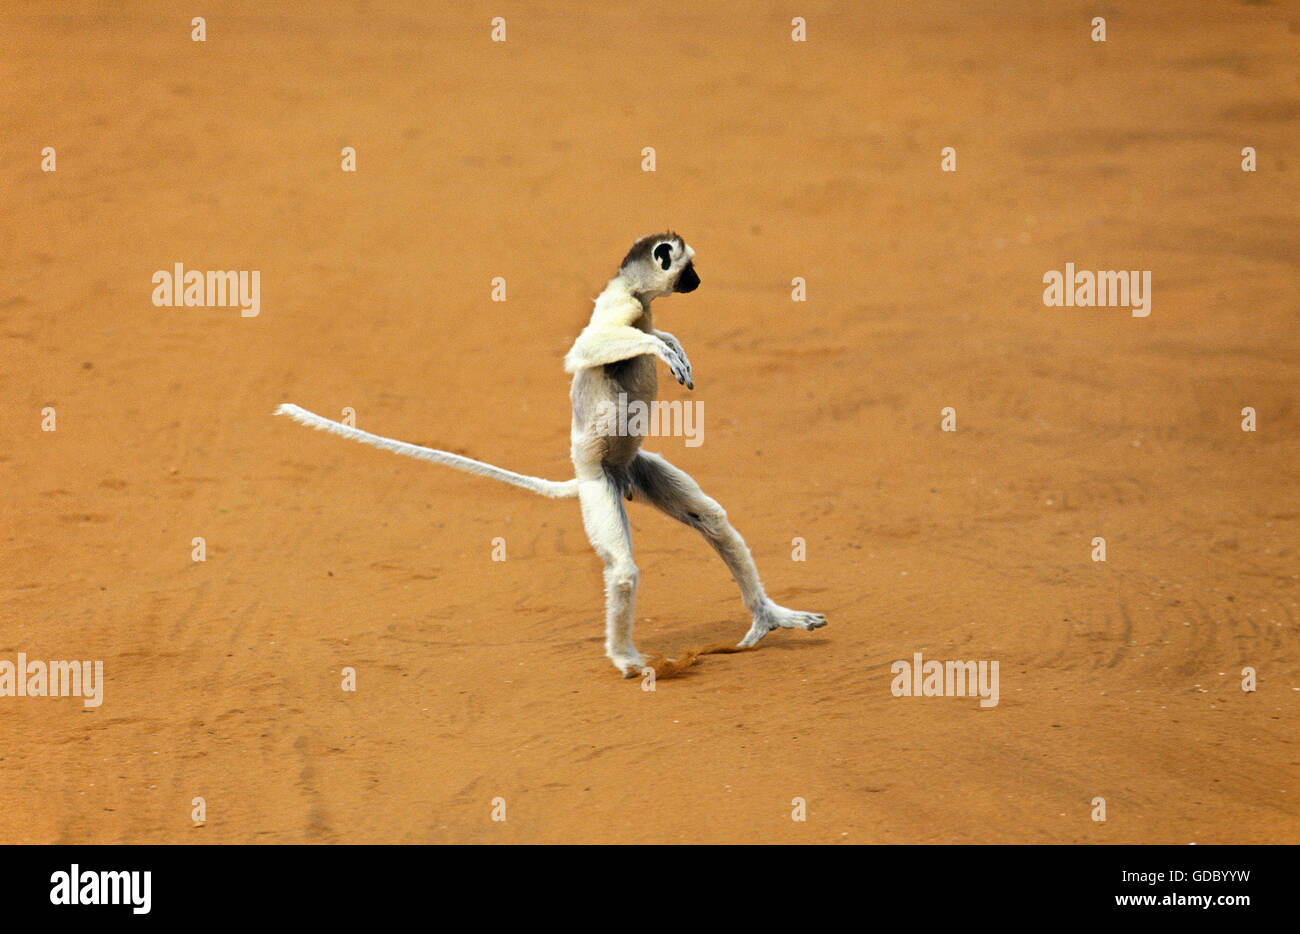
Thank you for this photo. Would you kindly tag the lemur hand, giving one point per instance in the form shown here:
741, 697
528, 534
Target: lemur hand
676, 359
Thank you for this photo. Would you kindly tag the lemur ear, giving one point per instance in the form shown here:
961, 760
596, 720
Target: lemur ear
664, 253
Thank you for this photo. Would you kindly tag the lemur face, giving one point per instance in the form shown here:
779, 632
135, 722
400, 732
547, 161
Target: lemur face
660, 265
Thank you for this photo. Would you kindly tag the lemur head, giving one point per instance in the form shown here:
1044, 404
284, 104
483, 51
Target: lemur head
660, 265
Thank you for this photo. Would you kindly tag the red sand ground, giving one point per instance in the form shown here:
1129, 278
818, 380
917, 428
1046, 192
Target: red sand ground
481, 679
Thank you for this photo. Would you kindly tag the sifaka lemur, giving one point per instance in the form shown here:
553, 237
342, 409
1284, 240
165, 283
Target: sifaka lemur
613, 364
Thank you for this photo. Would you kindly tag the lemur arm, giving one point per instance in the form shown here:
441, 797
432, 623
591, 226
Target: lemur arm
610, 337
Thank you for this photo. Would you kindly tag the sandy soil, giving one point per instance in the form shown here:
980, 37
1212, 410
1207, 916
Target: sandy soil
481, 679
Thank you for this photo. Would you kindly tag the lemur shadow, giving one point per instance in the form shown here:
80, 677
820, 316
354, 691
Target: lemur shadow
681, 664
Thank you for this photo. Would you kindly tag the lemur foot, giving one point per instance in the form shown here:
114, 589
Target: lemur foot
772, 617
629, 662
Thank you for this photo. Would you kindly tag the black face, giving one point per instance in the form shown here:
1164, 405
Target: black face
689, 280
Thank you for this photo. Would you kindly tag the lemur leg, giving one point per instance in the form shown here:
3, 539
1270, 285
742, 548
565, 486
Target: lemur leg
673, 492
605, 520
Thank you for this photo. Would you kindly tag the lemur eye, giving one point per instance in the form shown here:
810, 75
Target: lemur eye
664, 253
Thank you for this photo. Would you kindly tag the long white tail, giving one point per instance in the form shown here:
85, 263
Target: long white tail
567, 489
